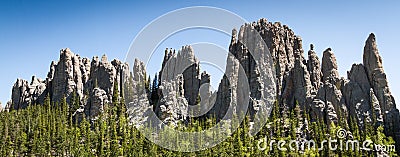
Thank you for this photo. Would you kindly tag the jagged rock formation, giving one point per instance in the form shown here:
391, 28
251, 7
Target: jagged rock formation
207, 97
312, 84
67, 76
360, 97
226, 94
24, 93
317, 87
377, 79
91, 81
173, 106
329, 92
184, 62
329, 67
99, 101
314, 68
139, 107
297, 84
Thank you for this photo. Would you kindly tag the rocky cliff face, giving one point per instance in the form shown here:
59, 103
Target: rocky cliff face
378, 82
138, 105
312, 84
247, 64
184, 62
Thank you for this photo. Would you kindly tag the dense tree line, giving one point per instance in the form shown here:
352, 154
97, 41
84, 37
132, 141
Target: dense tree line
50, 129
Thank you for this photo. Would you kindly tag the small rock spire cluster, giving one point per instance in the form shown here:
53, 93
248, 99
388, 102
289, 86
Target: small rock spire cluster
91, 81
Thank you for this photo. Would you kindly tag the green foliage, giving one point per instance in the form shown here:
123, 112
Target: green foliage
48, 130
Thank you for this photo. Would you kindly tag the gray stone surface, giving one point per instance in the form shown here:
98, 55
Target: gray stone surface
173, 106
282, 43
67, 76
73, 74
359, 96
379, 83
139, 108
247, 64
184, 62
99, 103
329, 67
314, 68
226, 94
24, 93
297, 85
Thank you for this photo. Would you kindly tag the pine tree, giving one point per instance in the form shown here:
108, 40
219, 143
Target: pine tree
154, 90
147, 84
75, 103
86, 136
116, 110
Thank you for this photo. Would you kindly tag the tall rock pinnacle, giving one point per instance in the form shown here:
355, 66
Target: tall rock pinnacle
329, 66
67, 76
376, 75
314, 68
138, 107
371, 58
379, 83
184, 62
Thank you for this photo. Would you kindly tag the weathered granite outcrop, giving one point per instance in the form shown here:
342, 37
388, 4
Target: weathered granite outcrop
329, 67
173, 106
25, 94
91, 81
226, 94
184, 62
297, 85
207, 96
330, 91
314, 68
67, 76
138, 108
315, 85
106, 75
99, 103
379, 83
360, 97
248, 63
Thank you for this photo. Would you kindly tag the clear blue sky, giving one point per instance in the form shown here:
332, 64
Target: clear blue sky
33, 32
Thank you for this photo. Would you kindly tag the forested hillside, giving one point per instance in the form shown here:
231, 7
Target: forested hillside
49, 129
